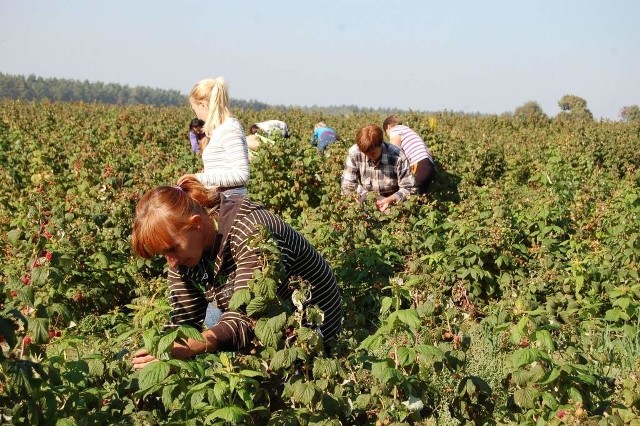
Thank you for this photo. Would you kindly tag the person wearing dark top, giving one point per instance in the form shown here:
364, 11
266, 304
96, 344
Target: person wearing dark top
196, 132
209, 263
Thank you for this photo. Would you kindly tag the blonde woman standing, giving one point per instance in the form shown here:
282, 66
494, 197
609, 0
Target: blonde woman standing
225, 155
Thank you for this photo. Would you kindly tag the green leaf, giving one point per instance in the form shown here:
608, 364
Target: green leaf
225, 360
525, 397
239, 299
251, 373
551, 376
256, 306
14, 237
265, 288
269, 331
575, 394
429, 353
305, 393
167, 396
373, 342
166, 342
362, 401
526, 356
153, 374
39, 276
408, 317
385, 373
189, 332
221, 390
545, 338
385, 305
232, 414
196, 398
405, 356
96, 367
39, 329
283, 359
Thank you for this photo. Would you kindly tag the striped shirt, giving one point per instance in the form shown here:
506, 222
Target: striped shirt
411, 143
231, 267
390, 176
226, 157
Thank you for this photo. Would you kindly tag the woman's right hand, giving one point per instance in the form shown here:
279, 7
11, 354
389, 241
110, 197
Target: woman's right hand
141, 358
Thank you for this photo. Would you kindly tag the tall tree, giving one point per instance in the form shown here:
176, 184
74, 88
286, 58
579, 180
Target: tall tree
574, 108
630, 114
530, 112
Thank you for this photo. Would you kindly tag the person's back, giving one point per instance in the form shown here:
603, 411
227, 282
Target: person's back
323, 136
411, 143
420, 158
225, 154
273, 125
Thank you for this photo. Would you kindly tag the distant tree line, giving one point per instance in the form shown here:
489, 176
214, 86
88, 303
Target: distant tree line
31, 88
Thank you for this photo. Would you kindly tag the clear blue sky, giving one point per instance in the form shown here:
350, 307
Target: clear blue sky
475, 56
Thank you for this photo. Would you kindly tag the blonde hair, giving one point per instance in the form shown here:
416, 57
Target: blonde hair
215, 93
164, 212
320, 124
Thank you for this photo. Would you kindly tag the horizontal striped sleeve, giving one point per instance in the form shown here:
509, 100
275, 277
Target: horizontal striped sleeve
301, 259
188, 303
226, 157
411, 143
233, 331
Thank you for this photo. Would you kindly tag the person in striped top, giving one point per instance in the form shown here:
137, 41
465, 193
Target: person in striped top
420, 158
209, 263
225, 155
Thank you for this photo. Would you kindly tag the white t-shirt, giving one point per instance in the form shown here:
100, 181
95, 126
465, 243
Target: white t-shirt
269, 125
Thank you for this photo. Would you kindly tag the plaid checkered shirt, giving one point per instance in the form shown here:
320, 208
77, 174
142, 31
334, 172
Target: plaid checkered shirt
391, 174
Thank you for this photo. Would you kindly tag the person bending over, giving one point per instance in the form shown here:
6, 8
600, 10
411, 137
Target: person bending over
373, 165
420, 158
209, 263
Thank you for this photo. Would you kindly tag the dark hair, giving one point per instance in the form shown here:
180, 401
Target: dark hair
369, 137
254, 129
390, 121
196, 122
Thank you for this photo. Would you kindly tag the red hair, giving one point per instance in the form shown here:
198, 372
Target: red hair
369, 137
165, 212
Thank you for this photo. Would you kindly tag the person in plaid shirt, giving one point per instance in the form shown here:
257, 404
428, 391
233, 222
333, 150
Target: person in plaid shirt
373, 165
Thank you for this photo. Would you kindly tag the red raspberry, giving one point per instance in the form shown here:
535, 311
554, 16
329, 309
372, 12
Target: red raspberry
27, 340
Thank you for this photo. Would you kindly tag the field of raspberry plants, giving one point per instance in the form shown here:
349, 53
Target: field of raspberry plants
509, 295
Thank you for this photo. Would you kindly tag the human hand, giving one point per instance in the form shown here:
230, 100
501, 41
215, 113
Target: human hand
384, 203
141, 358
